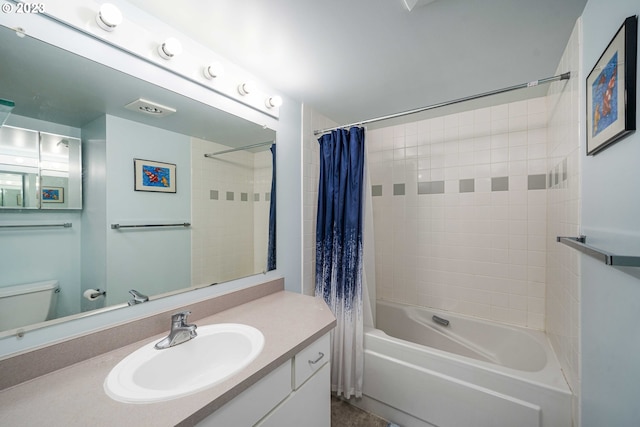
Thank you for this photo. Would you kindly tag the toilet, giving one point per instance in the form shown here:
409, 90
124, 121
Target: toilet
22, 305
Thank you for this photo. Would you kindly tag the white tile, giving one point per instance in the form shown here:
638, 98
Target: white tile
537, 105
517, 139
499, 140
482, 115
482, 157
537, 151
518, 302
499, 169
518, 123
482, 142
436, 135
518, 168
451, 134
499, 112
499, 126
536, 321
516, 183
518, 317
518, 108
537, 121
467, 118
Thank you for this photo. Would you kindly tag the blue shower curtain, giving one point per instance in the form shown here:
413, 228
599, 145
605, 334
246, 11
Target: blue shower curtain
339, 252
271, 251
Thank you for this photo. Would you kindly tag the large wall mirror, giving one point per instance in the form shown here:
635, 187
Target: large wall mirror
212, 227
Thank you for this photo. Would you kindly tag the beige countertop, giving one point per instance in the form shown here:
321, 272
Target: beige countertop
74, 396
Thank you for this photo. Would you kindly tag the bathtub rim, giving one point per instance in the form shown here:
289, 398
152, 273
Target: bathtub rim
550, 376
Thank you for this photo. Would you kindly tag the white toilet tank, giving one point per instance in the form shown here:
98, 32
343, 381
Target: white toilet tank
22, 305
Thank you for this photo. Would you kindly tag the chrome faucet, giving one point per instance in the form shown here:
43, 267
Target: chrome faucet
138, 298
181, 331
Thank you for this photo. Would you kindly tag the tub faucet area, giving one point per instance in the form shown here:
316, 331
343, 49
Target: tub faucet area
181, 331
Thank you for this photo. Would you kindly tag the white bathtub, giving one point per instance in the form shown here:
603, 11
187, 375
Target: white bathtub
472, 373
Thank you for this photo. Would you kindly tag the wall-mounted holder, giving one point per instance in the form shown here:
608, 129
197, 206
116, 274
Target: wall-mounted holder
121, 226
579, 243
64, 225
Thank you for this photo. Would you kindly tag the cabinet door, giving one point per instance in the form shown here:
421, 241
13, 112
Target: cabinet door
251, 405
309, 406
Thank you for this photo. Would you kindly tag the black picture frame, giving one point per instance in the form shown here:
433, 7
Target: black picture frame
154, 176
611, 90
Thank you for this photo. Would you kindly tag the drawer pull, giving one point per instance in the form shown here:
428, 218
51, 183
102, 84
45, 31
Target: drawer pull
320, 356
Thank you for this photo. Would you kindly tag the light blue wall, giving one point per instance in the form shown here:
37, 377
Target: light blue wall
610, 306
152, 261
94, 213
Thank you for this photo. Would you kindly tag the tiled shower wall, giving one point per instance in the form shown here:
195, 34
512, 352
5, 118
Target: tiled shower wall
230, 213
565, 103
459, 207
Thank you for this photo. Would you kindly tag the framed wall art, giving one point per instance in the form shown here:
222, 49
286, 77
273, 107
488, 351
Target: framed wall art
611, 90
154, 176
52, 195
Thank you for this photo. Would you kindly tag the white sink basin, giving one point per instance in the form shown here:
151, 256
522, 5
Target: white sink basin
151, 375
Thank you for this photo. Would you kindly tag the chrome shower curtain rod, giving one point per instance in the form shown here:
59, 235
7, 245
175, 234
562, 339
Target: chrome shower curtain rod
260, 144
564, 76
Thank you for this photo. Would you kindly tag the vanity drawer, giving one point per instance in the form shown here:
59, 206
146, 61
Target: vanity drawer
309, 360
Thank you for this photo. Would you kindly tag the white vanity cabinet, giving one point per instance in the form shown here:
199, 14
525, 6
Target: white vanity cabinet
297, 393
309, 403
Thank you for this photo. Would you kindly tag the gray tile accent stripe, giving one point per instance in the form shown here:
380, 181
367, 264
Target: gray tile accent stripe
432, 187
537, 182
500, 183
467, 185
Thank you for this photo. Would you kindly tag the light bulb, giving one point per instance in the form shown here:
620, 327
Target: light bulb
108, 17
246, 88
274, 102
214, 70
170, 48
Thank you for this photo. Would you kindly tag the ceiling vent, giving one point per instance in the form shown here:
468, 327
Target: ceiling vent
150, 108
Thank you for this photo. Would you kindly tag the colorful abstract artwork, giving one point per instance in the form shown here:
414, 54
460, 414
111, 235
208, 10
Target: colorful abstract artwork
611, 90
52, 195
154, 176
605, 97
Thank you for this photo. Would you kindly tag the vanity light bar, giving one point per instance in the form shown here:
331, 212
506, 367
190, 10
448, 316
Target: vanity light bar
109, 18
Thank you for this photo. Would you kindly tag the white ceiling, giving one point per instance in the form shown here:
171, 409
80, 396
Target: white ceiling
357, 59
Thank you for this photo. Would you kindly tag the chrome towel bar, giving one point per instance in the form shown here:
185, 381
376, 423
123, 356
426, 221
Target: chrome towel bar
120, 226
65, 225
579, 243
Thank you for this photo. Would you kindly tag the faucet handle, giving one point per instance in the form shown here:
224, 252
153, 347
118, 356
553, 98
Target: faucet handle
137, 297
180, 317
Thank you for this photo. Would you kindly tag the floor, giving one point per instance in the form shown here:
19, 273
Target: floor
346, 415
